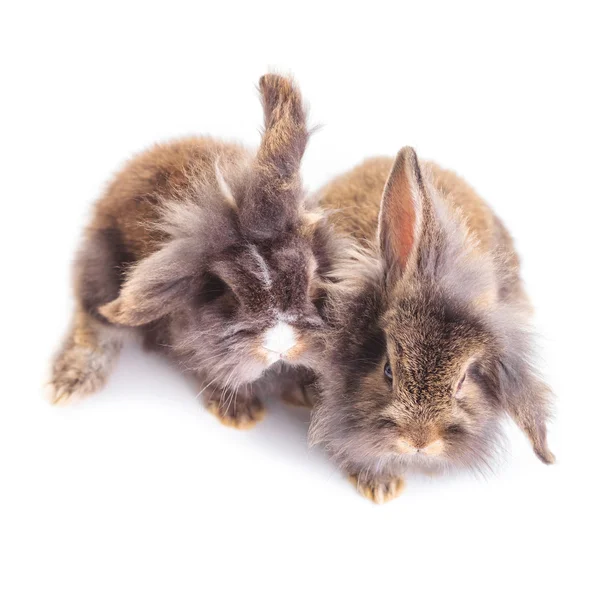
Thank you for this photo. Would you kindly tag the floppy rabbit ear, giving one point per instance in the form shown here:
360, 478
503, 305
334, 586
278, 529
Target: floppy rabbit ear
153, 288
528, 407
524, 396
401, 217
273, 196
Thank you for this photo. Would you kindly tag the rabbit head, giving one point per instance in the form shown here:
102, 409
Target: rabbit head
236, 285
425, 357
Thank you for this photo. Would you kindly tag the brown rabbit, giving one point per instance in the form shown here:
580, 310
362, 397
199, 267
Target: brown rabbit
210, 251
430, 343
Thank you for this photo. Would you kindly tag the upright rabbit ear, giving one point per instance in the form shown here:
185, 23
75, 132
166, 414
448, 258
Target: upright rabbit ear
273, 197
401, 217
153, 288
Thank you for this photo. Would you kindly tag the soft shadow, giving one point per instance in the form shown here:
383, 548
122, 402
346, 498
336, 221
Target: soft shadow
147, 378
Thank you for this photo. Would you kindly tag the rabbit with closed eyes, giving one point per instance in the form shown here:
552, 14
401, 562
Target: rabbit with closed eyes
209, 251
430, 342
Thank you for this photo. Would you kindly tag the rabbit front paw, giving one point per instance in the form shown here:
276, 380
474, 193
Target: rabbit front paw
378, 490
299, 395
240, 412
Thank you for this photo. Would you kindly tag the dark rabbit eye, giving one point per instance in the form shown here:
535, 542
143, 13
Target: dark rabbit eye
319, 303
212, 289
387, 371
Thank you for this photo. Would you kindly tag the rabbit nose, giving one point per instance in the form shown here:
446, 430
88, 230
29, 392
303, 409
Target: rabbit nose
424, 445
421, 438
404, 446
279, 339
433, 448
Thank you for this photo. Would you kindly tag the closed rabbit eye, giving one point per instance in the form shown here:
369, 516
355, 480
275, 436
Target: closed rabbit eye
242, 333
455, 430
460, 384
387, 371
384, 423
470, 370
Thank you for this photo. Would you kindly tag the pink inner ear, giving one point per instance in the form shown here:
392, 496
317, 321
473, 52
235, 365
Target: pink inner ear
401, 220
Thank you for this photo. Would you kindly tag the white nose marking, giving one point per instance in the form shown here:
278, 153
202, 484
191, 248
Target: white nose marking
279, 338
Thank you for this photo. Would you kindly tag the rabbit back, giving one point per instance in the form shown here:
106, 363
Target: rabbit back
353, 201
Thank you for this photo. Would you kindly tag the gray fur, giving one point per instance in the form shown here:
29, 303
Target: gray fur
447, 308
202, 247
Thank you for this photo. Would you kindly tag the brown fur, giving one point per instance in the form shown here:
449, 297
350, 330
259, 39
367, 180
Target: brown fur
203, 246
240, 411
354, 199
131, 203
84, 361
380, 491
434, 299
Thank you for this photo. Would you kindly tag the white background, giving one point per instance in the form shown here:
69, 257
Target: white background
138, 492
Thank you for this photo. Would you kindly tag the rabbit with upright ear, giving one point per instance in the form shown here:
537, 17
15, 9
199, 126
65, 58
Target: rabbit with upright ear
210, 252
430, 343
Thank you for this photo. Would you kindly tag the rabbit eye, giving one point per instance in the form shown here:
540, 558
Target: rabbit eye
384, 423
455, 430
319, 300
213, 288
470, 370
460, 384
387, 371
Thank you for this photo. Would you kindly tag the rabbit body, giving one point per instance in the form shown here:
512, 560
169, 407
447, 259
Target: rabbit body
210, 252
431, 342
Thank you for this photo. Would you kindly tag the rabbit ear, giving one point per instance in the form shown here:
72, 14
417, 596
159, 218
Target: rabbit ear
521, 392
402, 214
153, 288
526, 399
273, 197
